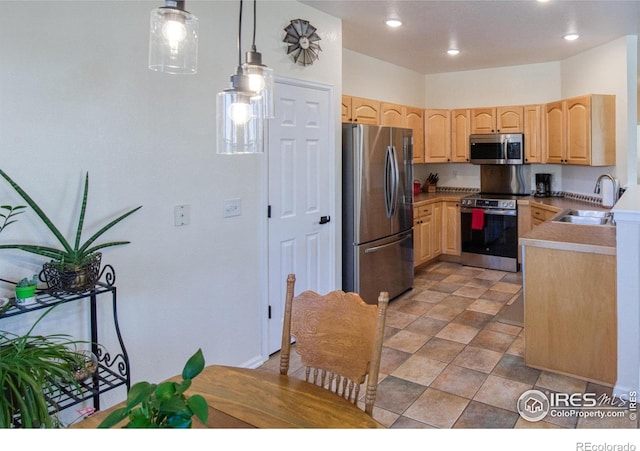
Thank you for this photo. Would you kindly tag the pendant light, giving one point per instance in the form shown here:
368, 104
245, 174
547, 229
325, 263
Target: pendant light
240, 112
173, 39
260, 76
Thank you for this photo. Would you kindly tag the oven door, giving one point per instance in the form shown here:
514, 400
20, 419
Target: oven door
495, 245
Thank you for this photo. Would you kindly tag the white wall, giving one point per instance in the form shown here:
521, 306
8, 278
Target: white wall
363, 76
76, 96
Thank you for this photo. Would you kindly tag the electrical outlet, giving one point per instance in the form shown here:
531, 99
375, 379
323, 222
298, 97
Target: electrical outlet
181, 215
231, 207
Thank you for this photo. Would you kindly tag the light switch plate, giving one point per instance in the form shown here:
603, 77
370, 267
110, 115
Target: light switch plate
231, 207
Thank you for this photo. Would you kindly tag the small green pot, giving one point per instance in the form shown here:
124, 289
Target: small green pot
25, 295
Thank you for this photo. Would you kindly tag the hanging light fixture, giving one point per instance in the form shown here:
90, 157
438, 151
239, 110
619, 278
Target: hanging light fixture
260, 76
173, 39
240, 112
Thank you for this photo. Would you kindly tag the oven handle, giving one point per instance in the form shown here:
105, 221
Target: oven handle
492, 211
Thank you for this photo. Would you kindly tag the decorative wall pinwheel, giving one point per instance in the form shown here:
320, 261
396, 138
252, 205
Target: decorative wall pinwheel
302, 41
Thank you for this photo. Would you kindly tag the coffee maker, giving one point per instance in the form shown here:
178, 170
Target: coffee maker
543, 185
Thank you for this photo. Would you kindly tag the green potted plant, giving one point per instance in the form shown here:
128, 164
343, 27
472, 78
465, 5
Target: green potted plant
163, 405
26, 290
8, 214
33, 368
72, 267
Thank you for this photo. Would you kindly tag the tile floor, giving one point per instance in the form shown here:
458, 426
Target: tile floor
448, 362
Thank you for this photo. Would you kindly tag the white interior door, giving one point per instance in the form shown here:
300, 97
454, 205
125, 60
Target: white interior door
301, 187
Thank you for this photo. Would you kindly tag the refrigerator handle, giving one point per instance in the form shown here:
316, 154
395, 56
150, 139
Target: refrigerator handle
388, 176
396, 177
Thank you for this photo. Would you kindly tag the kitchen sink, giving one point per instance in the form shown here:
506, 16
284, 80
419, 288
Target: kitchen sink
585, 217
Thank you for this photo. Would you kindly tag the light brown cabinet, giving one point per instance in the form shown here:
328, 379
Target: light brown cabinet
427, 232
460, 131
437, 136
504, 119
541, 213
451, 228
415, 121
570, 313
581, 131
392, 115
533, 133
360, 110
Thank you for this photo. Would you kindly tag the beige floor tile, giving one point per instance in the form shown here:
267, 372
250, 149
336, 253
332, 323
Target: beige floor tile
398, 319
480, 283
412, 306
392, 359
477, 359
442, 350
560, 383
430, 296
505, 287
490, 274
406, 341
525, 424
459, 381
504, 328
458, 332
437, 408
498, 296
489, 339
384, 416
470, 292
426, 326
517, 347
420, 370
500, 392
444, 312
486, 306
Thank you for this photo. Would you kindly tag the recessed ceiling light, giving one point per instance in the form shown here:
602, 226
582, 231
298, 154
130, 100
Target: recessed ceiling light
571, 36
393, 23
453, 51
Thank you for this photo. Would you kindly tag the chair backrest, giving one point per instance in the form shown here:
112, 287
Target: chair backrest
339, 339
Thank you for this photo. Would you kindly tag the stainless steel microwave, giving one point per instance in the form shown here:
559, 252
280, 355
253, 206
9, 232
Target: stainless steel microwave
497, 148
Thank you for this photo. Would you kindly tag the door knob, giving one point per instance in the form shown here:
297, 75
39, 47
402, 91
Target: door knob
325, 219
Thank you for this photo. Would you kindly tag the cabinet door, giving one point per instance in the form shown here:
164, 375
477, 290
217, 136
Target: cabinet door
365, 111
460, 131
555, 142
509, 119
418, 257
533, 133
392, 115
483, 120
437, 136
346, 109
578, 130
451, 228
415, 121
436, 229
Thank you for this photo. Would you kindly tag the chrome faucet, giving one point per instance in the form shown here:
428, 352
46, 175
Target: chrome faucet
614, 185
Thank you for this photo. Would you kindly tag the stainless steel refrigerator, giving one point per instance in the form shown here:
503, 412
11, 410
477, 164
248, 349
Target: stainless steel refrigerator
377, 210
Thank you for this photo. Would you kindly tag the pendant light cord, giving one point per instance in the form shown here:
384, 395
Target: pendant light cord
240, 37
253, 43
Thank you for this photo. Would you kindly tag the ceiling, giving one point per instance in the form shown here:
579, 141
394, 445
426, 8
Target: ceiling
488, 33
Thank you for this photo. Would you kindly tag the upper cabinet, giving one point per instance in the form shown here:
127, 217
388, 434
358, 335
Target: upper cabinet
460, 131
361, 111
533, 133
504, 119
437, 136
415, 121
392, 115
581, 131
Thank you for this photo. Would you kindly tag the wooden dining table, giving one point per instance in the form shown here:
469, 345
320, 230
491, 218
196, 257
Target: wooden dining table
253, 398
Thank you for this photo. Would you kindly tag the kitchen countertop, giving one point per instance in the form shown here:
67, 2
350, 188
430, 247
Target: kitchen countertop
551, 235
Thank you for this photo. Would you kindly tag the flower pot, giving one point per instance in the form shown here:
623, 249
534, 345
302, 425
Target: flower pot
25, 295
62, 278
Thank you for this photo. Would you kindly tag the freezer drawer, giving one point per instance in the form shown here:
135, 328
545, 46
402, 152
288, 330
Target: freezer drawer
382, 265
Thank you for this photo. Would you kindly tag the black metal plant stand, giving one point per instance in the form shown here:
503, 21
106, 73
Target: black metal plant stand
113, 370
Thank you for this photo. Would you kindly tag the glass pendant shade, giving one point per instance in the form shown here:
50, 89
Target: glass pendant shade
240, 122
173, 40
260, 81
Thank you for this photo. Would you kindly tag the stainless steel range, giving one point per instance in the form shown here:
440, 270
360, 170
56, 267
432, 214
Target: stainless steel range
489, 231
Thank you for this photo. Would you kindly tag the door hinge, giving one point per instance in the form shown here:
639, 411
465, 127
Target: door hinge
269, 317
268, 211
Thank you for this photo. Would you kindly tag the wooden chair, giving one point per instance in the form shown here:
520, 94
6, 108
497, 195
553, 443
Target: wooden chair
339, 338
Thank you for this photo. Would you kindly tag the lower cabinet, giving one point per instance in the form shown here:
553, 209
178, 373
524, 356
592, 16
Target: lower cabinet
570, 313
541, 213
436, 230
